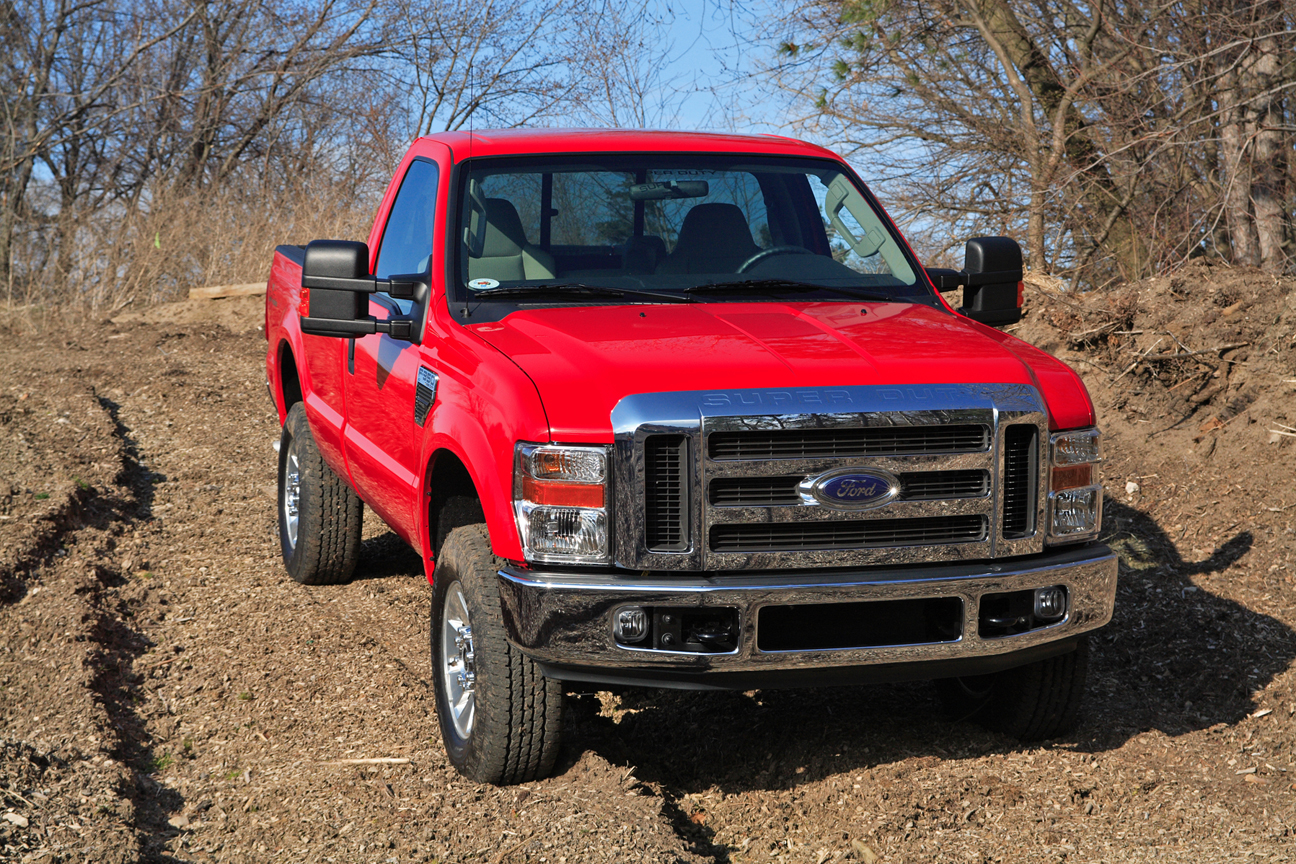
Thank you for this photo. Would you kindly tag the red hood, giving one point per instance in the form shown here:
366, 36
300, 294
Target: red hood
584, 360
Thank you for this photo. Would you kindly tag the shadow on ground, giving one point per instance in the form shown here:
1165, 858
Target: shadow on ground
387, 555
1175, 658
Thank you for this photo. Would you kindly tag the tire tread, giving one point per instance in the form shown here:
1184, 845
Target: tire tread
330, 516
1034, 702
517, 732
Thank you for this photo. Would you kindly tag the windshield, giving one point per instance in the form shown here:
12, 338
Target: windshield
653, 228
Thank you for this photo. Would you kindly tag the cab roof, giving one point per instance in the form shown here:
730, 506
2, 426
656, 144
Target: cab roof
525, 142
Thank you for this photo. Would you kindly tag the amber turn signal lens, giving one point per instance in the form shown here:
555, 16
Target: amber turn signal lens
561, 494
1072, 477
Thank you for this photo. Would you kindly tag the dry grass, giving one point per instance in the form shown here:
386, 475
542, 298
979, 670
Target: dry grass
155, 251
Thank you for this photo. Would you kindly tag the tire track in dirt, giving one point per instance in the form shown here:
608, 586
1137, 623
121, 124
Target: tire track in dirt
86, 734
249, 685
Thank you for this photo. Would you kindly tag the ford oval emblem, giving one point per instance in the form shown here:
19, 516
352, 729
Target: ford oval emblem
853, 488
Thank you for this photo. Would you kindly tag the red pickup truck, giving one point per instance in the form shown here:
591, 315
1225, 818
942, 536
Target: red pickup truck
684, 410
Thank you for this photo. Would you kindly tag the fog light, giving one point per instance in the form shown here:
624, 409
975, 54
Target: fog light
1050, 603
630, 624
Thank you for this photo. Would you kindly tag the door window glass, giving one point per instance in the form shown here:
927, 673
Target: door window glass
407, 240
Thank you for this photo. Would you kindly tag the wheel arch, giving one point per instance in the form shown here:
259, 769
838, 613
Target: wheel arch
290, 385
452, 498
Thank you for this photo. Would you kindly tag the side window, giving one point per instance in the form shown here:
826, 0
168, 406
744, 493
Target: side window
407, 238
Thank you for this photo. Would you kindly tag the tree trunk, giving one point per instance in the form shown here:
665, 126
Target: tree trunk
1082, 152
11, 205
1235, 169
1268, 180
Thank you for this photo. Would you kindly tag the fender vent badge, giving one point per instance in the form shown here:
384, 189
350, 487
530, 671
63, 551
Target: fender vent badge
424, 394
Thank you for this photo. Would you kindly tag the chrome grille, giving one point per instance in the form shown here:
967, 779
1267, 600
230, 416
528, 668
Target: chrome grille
918, 485
813, 443
1020, 449
847, 534
723, 481
665, 495
755, 491
914, 486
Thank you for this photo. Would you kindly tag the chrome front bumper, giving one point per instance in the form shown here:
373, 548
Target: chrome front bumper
563, 620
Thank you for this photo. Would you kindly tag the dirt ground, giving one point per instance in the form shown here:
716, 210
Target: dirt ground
168, 694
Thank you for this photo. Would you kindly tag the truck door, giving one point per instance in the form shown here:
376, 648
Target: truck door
381, 373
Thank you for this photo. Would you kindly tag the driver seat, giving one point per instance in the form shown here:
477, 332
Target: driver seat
714, 238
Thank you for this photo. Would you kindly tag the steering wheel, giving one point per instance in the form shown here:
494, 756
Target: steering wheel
766, 254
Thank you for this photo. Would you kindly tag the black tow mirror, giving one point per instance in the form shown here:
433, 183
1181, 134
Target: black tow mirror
992, 293
991, 280
335, 293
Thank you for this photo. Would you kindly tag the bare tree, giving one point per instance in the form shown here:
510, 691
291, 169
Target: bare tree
628, 85
60, 63
1115, 136
151, 145
482, 62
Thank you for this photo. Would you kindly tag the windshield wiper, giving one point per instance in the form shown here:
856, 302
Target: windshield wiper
784, 286
576, 288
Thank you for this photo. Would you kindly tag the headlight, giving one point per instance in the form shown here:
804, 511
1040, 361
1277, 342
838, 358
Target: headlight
560, 502
1075, 490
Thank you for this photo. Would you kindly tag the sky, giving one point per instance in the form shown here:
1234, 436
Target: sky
712, 48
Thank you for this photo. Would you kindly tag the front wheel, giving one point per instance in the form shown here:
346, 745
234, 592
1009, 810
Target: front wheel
1031, 703
500, 718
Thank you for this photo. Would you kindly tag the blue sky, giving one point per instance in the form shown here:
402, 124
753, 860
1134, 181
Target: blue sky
714, 48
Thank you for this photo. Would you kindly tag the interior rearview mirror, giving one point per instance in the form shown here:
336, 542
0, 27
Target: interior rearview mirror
669, 189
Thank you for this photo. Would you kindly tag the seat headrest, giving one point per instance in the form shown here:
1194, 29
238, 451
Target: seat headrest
504, 234
709, 228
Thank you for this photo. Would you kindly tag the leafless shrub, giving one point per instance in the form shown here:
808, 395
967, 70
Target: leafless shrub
1117, 138
153, 146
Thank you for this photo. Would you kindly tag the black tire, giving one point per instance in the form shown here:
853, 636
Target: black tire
329, 515
514, 731
1034, 702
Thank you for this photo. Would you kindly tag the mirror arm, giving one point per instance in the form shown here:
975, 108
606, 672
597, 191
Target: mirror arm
361, 285
398, 329
946, 279
401, 289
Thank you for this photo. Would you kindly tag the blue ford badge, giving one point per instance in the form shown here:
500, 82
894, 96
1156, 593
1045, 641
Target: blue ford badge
853, 488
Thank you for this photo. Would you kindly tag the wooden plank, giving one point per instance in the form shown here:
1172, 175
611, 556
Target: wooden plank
245, 290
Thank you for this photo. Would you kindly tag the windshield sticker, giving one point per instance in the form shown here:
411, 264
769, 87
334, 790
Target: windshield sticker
482, 284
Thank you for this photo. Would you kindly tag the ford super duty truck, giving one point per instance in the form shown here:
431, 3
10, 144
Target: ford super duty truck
685, 410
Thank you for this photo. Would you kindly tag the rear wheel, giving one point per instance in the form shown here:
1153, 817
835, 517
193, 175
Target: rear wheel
320, 517
1033, 702
500, 718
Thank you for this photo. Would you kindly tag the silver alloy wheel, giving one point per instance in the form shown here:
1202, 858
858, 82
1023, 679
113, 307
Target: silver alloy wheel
458, 662
292, 493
